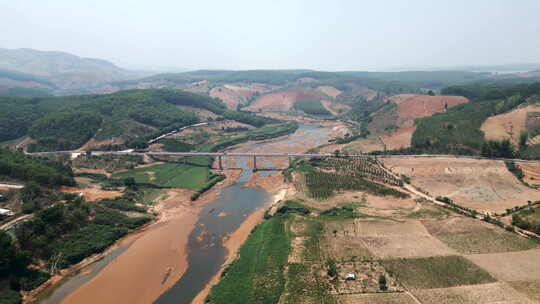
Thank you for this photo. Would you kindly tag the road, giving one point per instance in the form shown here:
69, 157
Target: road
285, 154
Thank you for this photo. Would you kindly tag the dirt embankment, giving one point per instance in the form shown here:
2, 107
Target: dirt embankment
411, 107
92, 194
329, 91
508, 125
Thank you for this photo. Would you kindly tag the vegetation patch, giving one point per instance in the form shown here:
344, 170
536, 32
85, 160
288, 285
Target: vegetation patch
18, 166
312, 106
173, 145
323, 178
437, 272
257, 276
108, 162
173, 175
528, 218
458, 129
488, 241
305, 285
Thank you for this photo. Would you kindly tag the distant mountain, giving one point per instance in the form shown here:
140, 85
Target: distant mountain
57, 71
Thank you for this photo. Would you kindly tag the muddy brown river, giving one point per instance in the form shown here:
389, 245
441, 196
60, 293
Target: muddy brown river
150, 266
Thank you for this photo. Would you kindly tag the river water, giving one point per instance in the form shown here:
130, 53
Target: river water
206, 253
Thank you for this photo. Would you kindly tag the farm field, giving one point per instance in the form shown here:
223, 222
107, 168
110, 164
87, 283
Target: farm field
469, 236
510, 266
169, 175
437, 272
484, 185
257, 275
491, 293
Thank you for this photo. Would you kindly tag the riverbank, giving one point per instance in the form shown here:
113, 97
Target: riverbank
155, 258
277, 189
157, 265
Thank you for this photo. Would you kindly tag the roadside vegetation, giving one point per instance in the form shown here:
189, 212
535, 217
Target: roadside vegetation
107, 162
17, 166
528, 218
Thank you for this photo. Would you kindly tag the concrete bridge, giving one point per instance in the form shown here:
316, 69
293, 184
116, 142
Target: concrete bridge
218, 155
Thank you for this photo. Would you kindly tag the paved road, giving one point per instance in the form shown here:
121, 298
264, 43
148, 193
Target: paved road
15, 221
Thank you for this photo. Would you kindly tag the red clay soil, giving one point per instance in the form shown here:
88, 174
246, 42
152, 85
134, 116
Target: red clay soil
229, 97
412, 106
401, 138
280, 101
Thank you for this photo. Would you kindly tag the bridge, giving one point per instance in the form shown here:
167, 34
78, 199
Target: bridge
218, 155
290, 156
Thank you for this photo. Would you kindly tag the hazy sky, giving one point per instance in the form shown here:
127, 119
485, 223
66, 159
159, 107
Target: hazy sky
251, 34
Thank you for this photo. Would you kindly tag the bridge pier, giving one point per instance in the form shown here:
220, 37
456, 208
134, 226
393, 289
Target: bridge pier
290, 160
220, 163
254, 163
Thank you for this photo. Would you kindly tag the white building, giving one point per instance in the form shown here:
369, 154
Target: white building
5, 212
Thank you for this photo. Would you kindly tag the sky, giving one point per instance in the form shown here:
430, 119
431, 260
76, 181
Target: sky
279, 34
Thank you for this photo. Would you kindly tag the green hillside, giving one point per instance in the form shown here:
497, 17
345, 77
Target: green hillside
458, 129
64, 123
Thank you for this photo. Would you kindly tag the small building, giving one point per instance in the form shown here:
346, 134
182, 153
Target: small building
350, 277
5, 212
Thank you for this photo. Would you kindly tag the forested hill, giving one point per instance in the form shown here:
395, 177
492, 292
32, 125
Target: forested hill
500, 121
14, 165
127, 117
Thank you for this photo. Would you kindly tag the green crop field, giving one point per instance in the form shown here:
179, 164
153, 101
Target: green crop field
169, 175
257, 276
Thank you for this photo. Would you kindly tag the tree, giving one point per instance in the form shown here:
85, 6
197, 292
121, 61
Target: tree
130, 183
382, 283
431, 93
523, 137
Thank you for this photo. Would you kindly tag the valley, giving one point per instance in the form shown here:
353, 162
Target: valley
419, 195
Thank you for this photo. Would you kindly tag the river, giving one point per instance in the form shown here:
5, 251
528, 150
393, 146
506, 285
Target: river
141, 260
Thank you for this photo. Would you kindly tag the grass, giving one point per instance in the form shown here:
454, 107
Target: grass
257, 276
486, 242
437, 272
174, 175
173, 145
312, 106
428, 213
150, 195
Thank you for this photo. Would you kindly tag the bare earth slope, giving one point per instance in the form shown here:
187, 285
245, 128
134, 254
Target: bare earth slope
508, 125
411, 107
479, 184
280, 101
